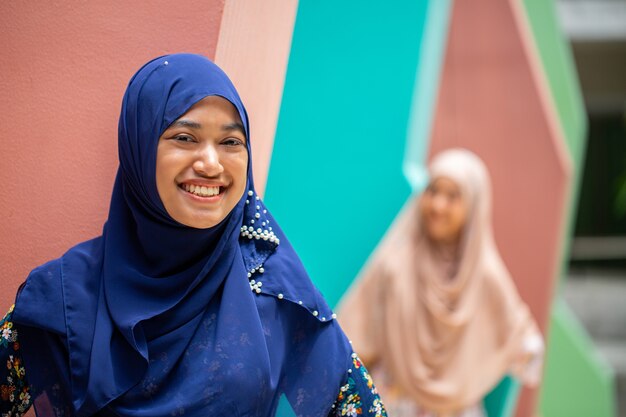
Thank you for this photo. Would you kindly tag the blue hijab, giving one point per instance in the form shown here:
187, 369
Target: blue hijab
154, 318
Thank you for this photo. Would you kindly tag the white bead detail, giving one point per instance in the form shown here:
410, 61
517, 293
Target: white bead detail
280, 296
166, 63
250, 233
300, 302
250, 193
247, 201
315, 313
334, 316
257, 215
256, 286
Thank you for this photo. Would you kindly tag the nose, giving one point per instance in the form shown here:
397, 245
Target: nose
439, 202
207, 162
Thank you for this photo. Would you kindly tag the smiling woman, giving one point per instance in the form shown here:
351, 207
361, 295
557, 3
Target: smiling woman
192, 301
201, 164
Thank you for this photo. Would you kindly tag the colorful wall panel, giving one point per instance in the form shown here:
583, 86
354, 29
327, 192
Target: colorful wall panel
574, 370
577, 381
253, 48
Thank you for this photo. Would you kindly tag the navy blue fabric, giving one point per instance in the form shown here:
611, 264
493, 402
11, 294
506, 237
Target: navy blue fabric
154, 318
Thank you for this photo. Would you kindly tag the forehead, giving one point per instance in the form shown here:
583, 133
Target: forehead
445, 184
213, 106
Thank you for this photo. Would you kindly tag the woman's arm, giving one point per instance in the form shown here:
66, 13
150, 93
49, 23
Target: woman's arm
358, 395
15, 397
528, 364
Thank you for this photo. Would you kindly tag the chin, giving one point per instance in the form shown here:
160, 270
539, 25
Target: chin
198, 222
438, 237
204, 224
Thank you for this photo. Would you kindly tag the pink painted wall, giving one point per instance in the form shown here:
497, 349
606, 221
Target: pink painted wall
494, 100
253, 49
65, 66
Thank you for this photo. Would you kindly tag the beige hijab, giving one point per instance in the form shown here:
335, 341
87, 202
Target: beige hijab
446, 340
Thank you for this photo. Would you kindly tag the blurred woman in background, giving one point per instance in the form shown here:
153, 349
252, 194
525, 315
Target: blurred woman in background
435, 314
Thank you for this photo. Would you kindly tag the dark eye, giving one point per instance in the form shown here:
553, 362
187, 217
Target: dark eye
184, 138
232, 142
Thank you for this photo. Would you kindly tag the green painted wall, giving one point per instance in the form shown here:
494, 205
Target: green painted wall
560, 71
576, 382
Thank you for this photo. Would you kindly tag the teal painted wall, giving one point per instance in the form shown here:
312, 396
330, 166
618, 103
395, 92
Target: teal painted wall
341, 135
335, 181
358, 83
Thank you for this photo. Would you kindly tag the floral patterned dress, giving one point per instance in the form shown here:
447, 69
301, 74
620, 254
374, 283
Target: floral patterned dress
357, 396
15, 397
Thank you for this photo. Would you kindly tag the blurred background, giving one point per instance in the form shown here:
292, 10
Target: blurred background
596, 288
347, 101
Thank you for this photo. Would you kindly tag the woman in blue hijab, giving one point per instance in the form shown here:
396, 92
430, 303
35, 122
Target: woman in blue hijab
192, 301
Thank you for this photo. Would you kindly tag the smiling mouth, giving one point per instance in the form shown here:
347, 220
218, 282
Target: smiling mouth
202, 190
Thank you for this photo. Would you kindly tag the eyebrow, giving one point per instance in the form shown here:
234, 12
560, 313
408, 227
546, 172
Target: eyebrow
186, 123
195, 125
234, 126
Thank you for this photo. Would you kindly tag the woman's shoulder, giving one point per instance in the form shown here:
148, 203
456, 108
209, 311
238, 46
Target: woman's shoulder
81, 255
40, 299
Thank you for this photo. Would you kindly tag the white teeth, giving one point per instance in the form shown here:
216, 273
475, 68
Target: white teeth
202, 191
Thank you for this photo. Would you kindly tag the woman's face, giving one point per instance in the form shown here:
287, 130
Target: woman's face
201, 164
444, 211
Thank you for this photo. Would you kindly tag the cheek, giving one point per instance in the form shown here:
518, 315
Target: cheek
161, 175
238, 168
458, 216
167, 166
425, 207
